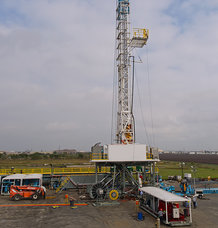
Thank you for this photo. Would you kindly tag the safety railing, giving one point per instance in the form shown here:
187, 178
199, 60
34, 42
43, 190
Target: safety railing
99, 156
140, 33
70, 170
149, 156
73, 170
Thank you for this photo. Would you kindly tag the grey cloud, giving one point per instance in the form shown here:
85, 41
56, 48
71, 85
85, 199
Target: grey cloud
57, 68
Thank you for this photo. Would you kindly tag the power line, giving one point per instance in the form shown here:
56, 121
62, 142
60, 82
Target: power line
140, 105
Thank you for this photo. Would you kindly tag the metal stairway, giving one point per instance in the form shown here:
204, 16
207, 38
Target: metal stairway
66, 180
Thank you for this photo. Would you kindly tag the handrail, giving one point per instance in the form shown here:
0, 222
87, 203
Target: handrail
79, 170
69, 170
140, 33
99, 156
149, 156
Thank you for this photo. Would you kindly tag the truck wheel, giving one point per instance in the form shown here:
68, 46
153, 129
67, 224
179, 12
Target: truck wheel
17, 197
35, 196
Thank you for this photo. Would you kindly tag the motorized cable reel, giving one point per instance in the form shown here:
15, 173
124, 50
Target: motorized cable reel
97, 191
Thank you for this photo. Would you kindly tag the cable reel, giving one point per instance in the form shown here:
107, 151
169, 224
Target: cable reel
113, 194
97, 191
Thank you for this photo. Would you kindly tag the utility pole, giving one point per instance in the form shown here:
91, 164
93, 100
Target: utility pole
182, 164
194, 170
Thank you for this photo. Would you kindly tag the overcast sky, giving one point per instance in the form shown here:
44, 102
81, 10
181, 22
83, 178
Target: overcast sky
57, 67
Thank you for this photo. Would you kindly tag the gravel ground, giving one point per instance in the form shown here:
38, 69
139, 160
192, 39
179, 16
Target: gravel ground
120, 216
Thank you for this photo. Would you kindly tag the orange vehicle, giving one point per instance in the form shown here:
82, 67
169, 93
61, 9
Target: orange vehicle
26, 192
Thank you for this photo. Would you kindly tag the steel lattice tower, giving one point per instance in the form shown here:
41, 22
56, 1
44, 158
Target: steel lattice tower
116, 156
125, 124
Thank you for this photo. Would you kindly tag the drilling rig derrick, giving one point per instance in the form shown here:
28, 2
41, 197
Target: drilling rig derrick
123, 155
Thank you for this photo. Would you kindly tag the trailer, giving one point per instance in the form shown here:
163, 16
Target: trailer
176, 209
34, 180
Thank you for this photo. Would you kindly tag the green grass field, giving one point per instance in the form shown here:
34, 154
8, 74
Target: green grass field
166, 168
170, 168
41, 163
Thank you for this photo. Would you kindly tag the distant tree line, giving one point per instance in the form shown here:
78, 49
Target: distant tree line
38, 156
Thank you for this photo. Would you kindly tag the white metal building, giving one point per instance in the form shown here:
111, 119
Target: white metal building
124, 153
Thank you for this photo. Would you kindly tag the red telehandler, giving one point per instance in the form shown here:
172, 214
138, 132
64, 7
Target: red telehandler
26, 192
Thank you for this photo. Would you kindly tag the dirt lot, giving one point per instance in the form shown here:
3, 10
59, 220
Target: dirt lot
123, 215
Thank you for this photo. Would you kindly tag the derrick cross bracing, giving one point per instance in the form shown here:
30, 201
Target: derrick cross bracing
125, 124
122, 179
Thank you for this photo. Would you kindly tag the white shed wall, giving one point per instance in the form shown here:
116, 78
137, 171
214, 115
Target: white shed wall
130, 152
